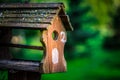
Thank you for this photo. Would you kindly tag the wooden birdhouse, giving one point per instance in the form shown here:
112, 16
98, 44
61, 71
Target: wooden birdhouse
50, 19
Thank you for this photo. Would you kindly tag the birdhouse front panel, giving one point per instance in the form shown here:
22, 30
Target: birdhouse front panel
54, 39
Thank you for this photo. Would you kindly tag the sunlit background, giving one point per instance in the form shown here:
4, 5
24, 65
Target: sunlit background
93, 48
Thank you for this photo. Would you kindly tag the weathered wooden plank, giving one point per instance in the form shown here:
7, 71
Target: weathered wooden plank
31, 5
20, 65
27, 16
25, 25
66, 22
21, 46
26, 20
28, 11
23, 75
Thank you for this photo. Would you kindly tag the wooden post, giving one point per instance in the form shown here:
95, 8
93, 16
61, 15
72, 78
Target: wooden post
5, 37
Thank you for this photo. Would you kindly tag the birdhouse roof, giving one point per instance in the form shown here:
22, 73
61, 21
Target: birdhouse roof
32, 15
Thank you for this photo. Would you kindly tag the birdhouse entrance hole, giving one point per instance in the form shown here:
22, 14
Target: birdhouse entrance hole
55, 35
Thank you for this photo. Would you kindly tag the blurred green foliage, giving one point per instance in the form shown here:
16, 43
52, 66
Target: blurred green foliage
27, 37
93, 48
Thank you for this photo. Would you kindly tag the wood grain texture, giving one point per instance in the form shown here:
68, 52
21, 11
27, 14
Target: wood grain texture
26, 20
50, 44
20, 65
33, 15
25, 25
